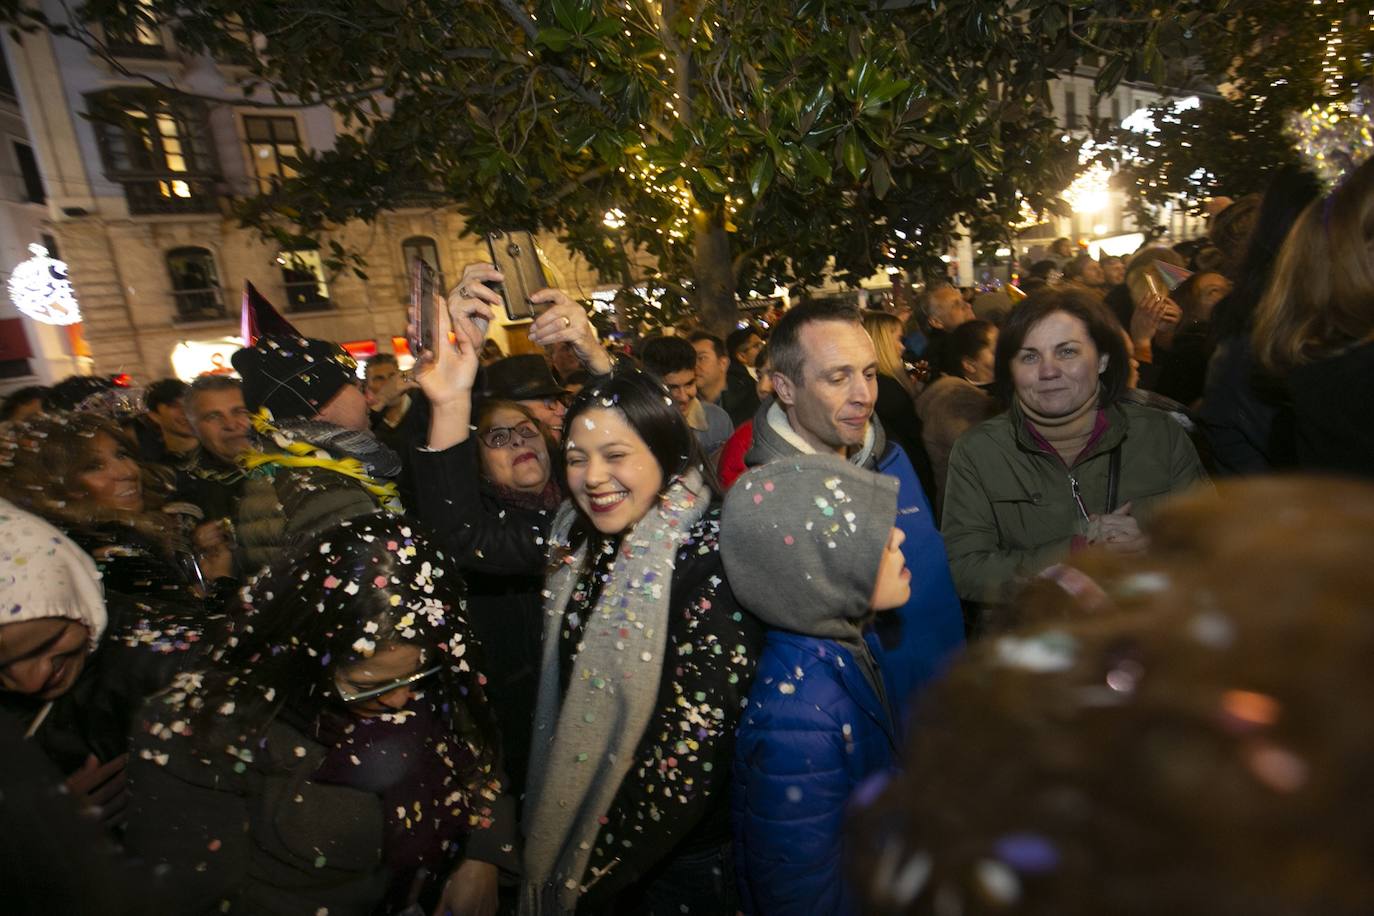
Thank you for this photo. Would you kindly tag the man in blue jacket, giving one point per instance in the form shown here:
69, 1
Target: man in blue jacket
825, 383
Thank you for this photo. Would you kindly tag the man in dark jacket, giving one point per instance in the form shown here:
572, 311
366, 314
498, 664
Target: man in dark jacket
315, 462
825, 388
740, 398
212, 479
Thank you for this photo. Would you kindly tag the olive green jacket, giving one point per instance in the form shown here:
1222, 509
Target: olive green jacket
1009, 509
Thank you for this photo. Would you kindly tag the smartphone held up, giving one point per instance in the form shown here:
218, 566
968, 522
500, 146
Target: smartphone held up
424, 320
513, 253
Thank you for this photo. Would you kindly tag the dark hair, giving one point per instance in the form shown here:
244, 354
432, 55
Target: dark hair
1289, 192
717, 344
1075, 268
163, 392
948, 351
1102, 326
738, 338
664, 355
72, 390
761, 358
19, 397
369, 581
381, 359
646, 405
789, 358
1041, 270
205, 383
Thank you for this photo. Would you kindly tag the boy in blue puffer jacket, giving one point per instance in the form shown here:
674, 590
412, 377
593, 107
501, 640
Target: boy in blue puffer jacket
810, 548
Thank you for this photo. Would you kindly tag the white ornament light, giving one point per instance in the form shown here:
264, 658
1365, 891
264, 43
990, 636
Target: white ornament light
40, 289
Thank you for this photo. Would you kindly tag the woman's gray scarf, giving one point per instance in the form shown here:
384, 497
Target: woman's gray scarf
585, 744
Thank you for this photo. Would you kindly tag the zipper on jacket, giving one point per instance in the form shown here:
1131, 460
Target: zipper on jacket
1077, 494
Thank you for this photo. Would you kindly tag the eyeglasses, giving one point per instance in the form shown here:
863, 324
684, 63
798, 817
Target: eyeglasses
351, 694
501, 436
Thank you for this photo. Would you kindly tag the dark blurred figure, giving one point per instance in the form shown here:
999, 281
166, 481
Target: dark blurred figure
400, 415
1315, 324
959, 397
1176, 735
1240, 401
741, 400
23, 403
165, 435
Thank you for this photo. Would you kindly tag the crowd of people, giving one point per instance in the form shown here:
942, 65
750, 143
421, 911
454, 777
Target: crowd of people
970, 605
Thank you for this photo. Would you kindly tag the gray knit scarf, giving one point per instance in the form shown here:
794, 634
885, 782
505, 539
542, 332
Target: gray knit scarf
584, 743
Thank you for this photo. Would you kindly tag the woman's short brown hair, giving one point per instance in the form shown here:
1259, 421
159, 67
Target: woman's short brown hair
1102, 326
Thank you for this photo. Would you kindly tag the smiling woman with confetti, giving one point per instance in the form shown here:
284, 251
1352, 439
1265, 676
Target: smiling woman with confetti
646, 660
339, 755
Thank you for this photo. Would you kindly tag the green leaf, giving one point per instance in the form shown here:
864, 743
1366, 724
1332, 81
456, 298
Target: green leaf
815, 163
852, 152
885, 92
882, 178
556, 40
713, 180
761, 175
931, 140
603, 28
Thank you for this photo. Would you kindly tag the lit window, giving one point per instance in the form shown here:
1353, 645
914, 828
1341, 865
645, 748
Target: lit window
302, 273
271, 141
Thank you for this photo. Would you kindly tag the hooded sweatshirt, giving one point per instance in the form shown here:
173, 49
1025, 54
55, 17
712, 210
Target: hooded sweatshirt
803, 540
919, 638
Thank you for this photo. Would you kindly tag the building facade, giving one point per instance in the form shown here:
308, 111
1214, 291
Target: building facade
139, 187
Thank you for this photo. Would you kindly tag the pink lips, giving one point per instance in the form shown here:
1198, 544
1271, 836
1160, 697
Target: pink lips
523, 457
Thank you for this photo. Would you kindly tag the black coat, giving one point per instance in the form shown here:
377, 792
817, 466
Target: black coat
501, 549
402, 438
1333, 413
145, 645
740, 399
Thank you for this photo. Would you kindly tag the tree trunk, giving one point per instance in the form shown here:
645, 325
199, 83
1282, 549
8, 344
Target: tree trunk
713, 271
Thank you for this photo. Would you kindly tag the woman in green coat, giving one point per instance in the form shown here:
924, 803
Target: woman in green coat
1068, 464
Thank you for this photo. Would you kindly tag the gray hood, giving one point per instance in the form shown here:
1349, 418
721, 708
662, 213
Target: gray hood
802, 539
774, 438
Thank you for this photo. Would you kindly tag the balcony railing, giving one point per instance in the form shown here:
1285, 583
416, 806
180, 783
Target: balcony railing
173, 194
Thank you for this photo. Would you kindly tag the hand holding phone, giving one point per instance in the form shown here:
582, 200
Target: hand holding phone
515, 256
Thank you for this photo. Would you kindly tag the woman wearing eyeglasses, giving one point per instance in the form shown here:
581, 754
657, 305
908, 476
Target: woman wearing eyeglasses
338, 755
491, 497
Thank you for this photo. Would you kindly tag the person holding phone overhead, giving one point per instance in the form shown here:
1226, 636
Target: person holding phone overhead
491, 496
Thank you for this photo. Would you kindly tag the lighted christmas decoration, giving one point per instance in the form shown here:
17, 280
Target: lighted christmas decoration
40, 289
1337, 137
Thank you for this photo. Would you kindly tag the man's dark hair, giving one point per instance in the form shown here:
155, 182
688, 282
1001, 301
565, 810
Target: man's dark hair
1102, 326
716, 343
737, 339
19, 397
664, 355
785, 344
381, 359
204, 383
163, 392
